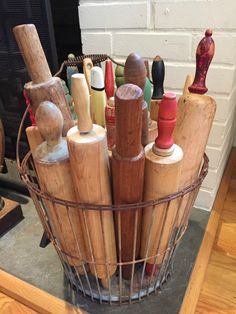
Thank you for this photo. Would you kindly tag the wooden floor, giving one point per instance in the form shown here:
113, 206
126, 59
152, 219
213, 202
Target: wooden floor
212, 287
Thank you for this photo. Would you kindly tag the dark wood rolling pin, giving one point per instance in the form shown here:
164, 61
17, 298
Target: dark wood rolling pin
135, 72
88, 150
128, 171
194, 120
43, 86
54, 173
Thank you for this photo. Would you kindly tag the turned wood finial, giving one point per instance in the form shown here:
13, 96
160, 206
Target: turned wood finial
166, 124
109, 79
158, 74
32, 52
135, 70
49, 122
80, 95
204, 54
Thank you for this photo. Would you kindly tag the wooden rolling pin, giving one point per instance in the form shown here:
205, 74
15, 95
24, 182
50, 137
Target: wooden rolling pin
98, 96
110, 122
89, 160
87, 66
188, 82
54, 173
135, 73
163, 161
158, 74
128, 171
194, 120
43, 86
109, 79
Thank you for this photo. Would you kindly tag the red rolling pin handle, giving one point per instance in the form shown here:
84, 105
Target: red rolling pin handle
204, 55
109, 79
166, 121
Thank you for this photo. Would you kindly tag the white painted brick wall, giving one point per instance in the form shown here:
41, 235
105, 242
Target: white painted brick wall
172, 29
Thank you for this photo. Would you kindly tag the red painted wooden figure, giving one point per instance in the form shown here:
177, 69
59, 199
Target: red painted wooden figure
109, 79
204, 55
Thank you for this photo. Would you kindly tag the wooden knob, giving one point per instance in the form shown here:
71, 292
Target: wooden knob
135, 70
166, 124
32, 52
87, 66
204, 55
80, 95
109, 79
119, 74
50, 122
158, 74
128, 117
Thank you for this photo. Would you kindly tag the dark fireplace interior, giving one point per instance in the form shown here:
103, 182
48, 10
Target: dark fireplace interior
57, 23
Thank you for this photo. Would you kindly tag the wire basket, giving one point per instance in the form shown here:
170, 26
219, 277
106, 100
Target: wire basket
81, 273
114, 289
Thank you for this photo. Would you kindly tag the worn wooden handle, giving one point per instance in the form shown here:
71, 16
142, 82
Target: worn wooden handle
98, 96
50, 122
80, 94
158, 74
204, 55
87, 66
135, 70
29, 43
188, 82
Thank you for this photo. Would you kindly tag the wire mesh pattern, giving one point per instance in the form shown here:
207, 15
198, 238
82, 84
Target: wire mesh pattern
150, 267
114, 288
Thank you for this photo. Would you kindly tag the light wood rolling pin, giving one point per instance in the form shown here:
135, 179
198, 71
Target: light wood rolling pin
87, 66
163, 160
89, 160
158, 75
194, 120
128, 171
43, 86
98, 96
188, 82
135, 73
54, 173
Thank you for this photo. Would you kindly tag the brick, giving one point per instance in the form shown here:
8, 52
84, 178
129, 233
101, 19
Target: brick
215, 14
225, 51
113, 15
176, 74
205, 199
220, 130
97, 43
148, 45
213, 177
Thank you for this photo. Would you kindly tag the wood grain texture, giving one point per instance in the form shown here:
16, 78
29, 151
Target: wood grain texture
154, 109
32, 52
197, 111
188, 82
10, 306
33, 298
80, 94
34, 138
128, 171
135, 73
162, 175
51, 90
91, 176
54, 173
199, 274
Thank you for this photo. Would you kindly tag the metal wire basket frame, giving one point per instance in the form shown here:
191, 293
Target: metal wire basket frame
117, 290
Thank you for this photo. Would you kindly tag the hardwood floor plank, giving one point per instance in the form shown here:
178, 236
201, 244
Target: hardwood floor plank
197, 277
10, 306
